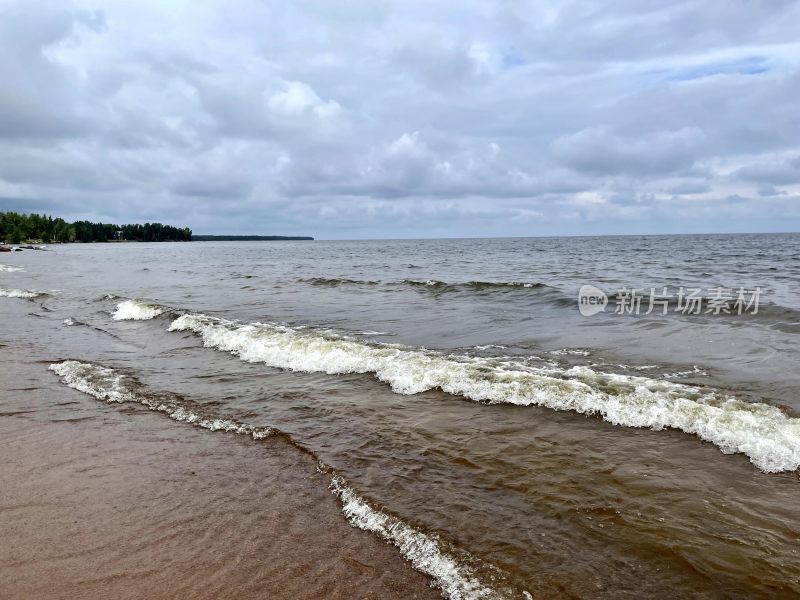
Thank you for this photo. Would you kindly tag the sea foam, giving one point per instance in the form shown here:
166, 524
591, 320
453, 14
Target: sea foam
111, 386
769, 437
426, 552
10, 269
135, 310
17, 293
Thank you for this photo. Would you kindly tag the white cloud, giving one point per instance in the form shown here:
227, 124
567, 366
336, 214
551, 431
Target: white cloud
297, 98
402, 118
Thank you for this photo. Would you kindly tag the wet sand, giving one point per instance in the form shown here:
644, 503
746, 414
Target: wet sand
120, 503
556, 498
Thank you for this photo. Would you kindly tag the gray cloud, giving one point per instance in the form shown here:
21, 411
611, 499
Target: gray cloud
603, 151
41, 97
778, 172
402, 119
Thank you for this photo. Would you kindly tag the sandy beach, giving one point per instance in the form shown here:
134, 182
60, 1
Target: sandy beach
248, 425
120, 503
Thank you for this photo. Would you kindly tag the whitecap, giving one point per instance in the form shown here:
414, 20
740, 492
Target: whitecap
134, 310
17, 293
426, 552
454, 578
107, 384
769, 437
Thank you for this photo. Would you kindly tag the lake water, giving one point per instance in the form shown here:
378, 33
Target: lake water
458, 401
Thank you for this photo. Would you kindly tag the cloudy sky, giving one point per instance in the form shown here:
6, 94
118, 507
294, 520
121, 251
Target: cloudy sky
359, 119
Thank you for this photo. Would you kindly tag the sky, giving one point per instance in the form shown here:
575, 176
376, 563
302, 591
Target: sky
383, 119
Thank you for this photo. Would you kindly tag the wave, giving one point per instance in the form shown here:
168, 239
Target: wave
10, 269
455, 579
571, 352
136, 310
109, 385
18, 293
449, 567
430, 284
478, 286
783, 318
765, 434
336, 281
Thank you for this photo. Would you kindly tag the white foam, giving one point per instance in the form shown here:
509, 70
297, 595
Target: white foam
425, 553
769, 437
100, 382
17, 293
134, 310
10, 269
570, 352
428, 282
694, 372
108, 385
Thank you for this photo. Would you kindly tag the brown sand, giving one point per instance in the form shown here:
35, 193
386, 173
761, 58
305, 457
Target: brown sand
124, 503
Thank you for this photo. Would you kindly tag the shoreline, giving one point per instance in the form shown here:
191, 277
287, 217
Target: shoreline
119, 502
470, 417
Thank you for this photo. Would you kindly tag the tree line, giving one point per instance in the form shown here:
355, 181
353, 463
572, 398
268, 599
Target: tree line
16, 228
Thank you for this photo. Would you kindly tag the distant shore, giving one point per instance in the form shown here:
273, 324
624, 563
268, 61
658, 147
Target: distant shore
40, 245
248, 238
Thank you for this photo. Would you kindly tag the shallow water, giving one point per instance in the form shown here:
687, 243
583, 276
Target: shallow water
455, 386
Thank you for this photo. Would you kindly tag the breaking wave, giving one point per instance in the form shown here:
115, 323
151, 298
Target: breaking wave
17, 293
111, 386
424, 551
449, 567
10, 269
769, 437
135, 310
